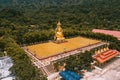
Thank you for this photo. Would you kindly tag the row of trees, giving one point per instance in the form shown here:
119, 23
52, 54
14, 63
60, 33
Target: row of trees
33, 37
22, 66
77, 62
45, 35
114, 43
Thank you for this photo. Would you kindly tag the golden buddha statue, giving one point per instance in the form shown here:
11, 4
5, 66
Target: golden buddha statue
59, 33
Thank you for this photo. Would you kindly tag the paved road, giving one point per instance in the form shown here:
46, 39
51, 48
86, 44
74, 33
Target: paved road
110, 72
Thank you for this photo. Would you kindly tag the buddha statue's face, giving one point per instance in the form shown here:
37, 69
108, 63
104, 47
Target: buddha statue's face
59, 30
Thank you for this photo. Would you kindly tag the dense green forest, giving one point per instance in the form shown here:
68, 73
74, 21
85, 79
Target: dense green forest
24, 22
80, 15
23, 68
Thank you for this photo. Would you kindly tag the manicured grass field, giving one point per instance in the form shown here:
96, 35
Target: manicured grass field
48, 49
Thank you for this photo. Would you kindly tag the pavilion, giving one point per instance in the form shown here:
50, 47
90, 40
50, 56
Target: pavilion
103, 55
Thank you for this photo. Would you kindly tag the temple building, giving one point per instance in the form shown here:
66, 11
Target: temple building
103, 55
59, 37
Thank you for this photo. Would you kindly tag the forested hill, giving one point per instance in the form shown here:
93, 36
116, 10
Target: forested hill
45, 13
25, 4
41, 3
38, 3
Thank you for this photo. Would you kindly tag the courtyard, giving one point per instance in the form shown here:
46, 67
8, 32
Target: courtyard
44, 50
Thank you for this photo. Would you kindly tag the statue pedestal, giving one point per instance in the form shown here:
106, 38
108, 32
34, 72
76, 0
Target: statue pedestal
60, 41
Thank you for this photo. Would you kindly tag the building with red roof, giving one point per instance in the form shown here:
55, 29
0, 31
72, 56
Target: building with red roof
108, 32
106, 55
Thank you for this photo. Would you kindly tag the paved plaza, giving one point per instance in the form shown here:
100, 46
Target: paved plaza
44, 50
110, 72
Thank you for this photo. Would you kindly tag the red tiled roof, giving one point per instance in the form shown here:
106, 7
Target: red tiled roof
105, 56
109, 32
